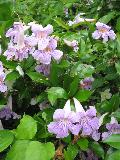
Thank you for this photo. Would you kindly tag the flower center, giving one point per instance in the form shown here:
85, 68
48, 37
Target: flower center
103, 30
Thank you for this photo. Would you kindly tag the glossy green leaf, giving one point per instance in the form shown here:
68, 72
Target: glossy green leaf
107, 18
27, 128
71, 152
56, 92
97, 148
82, 70
27, 150
37, 77
61, 23
83, 95
83, 144
118, 24
113, 140
74, 86
117, 66
6, 138
114, 156
12, 76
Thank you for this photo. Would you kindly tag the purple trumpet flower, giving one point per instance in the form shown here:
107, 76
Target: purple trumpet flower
113, 128
44, 55
88, 122
87, 83
7, 113
103, 31
63, 122
19, 46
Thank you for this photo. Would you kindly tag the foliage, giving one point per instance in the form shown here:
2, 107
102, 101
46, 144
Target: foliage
37, 96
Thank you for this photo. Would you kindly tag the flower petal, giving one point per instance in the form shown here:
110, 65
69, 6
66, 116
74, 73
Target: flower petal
78, 106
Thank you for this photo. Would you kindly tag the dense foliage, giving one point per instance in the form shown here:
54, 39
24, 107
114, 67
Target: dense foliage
59, 79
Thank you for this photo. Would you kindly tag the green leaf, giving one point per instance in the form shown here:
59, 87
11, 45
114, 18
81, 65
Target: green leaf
37, 77
111, 105
12, 76
114, 141
83, 95
5, 6
41, 97
6, 138
27, 128
105, 19
114, 156
64, 64
29, 150
40, 151
18, 150
117, 66
98, 83
71, 152
83, 144
67, 139
82, 70
56, 92
97, 148
61, 23
118, 43
116, 114
8, 64
118, 24
74, 86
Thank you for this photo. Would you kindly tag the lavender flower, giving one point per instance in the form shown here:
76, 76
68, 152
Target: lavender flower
7, 113
63, 123
87, 83
3, 87
66, 121
19, 45
44, 55
103, 31
88, 122
17, 54
45, 69
40, 31
73, 44
79, 19
113, 128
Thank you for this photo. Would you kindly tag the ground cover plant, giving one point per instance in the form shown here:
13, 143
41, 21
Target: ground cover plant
59, 80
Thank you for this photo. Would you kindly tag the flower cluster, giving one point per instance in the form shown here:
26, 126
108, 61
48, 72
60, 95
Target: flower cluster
3, 87
45, 44
7, 113
113, 128
73, 44
103, 31
18, 47
86, 83
39, 44
79, 19
84, 122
